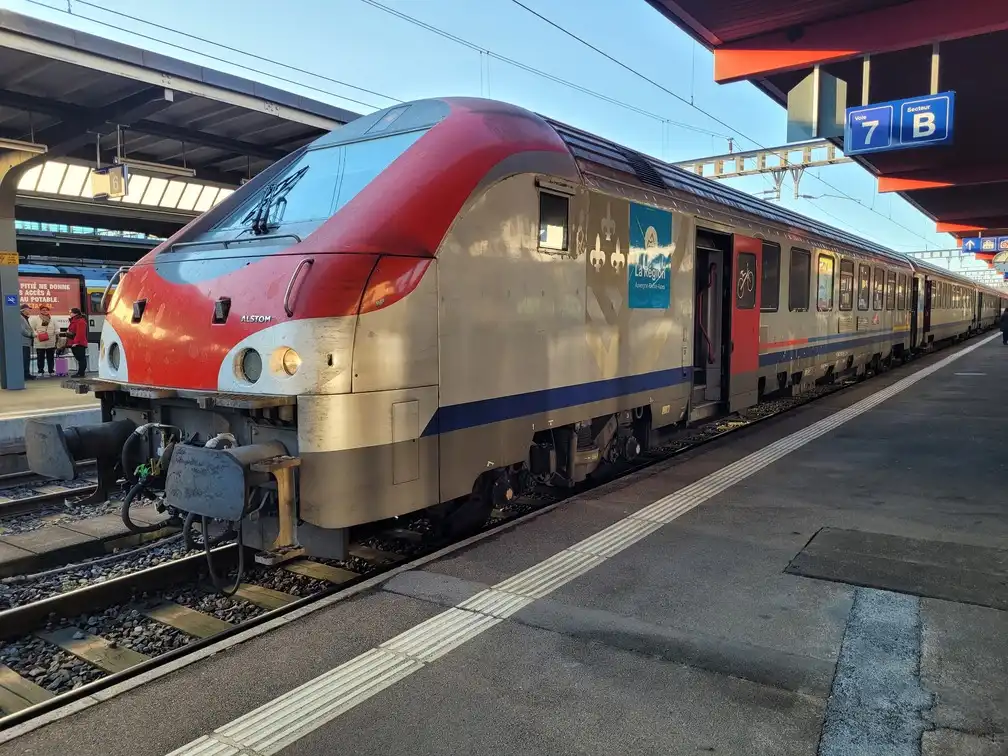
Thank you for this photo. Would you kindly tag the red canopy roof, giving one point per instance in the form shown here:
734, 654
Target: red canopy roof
775, 43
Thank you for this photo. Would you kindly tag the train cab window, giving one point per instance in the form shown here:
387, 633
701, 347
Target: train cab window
799, 278
878, 291
890, 290
901, 292
864, 287
553, 214
846, 285
824, 283
770, 278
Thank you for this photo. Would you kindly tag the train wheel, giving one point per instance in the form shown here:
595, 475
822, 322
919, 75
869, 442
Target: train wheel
465, 517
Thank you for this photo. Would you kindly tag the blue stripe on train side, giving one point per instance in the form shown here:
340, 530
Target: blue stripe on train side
819, 345
485, 411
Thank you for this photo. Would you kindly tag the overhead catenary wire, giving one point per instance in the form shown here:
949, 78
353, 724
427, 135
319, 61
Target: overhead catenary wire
470, 45
279, 64
689, 103
211, 56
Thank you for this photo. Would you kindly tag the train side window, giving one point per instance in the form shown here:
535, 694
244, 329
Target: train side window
553, 226
846, 285
864, 287
94, 306
799, 278
890, 290
879, 289
770, 278
824, 283
901, 292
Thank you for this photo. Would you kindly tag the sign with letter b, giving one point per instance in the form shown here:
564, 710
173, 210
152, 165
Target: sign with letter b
900, 124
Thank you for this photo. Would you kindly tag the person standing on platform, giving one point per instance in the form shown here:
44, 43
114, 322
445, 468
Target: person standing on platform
27, 336
44, 328
77, 333
1004, 326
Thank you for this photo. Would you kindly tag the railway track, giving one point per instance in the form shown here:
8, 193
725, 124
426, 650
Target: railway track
66, 645
24, 492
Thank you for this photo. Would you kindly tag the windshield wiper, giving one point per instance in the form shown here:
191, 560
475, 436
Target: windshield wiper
273, 195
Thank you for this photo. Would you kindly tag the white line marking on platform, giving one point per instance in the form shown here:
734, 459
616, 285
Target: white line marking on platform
289, 717
969, 374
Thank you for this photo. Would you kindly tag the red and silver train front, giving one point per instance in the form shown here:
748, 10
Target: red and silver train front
293, 326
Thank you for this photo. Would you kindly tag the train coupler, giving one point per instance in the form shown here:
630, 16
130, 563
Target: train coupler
53, 451
217, 483
285, 546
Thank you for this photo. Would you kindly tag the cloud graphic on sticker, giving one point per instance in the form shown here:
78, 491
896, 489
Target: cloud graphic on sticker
617, 259
597, 256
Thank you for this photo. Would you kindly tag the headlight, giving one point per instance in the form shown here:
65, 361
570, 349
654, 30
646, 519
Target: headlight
291, 361
251, 365
114, 355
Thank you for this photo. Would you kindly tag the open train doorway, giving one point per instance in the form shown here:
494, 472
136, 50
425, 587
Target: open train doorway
711, 324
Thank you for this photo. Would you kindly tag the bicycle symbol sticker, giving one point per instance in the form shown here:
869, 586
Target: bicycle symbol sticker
745, 282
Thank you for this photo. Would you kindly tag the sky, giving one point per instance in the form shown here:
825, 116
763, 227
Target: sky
358, 55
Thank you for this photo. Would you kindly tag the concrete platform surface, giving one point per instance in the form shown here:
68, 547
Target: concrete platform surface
667, 613
44, 397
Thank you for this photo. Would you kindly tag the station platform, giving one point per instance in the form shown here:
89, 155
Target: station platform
833, 581
43, 397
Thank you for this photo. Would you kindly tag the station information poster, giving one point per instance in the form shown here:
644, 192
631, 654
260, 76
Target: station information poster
58, 293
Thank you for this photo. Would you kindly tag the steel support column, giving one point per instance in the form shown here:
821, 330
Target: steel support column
12, 165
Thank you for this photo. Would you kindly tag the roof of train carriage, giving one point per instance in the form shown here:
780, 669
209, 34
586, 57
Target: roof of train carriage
663, 176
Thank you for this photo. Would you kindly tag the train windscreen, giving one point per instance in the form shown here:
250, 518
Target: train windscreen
319, 183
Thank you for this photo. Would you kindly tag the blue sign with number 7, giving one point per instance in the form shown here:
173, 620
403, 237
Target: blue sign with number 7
869, 129
900, 124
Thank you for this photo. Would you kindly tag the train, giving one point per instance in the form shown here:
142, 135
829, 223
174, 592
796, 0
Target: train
96, 281
448, 302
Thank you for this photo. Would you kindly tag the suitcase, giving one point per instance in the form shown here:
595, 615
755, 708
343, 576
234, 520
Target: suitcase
62, 365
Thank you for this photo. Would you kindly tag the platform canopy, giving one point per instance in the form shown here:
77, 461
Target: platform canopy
776, 44
193, 134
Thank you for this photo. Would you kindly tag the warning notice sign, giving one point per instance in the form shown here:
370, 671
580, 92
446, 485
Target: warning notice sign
58, 293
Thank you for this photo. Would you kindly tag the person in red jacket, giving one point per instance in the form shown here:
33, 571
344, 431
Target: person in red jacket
77, 339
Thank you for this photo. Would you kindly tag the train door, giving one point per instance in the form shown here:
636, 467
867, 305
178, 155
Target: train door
710, 379
743, 354
928, 288
914, 309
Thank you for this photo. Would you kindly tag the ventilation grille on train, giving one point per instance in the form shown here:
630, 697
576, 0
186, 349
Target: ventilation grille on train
644, 170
